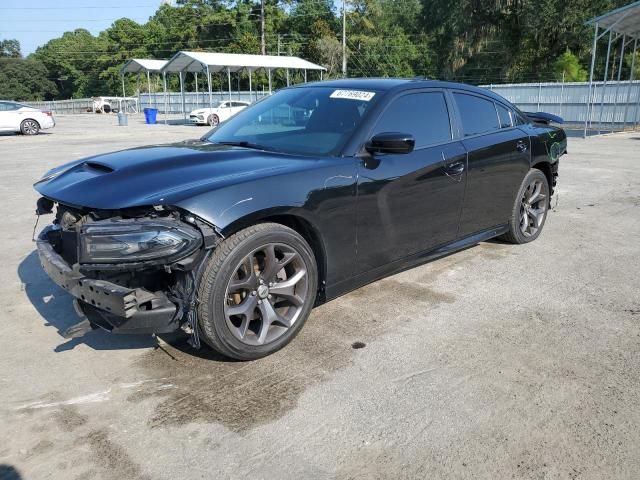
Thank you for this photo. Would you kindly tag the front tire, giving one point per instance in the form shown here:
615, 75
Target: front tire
29, 127
213, 120
530, 209
257, 291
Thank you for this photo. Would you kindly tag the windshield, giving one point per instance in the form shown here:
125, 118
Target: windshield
307, 121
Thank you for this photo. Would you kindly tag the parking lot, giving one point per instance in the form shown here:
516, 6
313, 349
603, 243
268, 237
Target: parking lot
500, 361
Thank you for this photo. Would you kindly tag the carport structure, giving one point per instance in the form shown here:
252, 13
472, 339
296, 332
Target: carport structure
209, 63
623, 25
139, 65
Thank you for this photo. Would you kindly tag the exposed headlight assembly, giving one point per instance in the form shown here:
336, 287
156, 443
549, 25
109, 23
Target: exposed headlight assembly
147, 240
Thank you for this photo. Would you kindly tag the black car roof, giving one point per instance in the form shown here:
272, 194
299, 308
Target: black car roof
399, 84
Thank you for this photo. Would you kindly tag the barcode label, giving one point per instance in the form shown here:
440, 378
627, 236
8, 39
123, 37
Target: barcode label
353, 95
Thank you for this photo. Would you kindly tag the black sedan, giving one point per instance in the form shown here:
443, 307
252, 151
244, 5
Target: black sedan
300, 198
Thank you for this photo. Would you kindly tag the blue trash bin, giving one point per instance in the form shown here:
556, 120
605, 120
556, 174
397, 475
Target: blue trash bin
150, 115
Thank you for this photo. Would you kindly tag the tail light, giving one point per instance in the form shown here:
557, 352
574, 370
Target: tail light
47, 112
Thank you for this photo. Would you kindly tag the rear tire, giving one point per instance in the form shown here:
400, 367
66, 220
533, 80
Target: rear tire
29, 127
530, 209
256, 291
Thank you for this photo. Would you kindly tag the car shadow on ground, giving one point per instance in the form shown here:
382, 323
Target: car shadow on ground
55, 306
9, 472
18, 134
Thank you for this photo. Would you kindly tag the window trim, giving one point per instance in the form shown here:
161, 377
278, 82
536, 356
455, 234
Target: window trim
459, 116
402, 93
509, 111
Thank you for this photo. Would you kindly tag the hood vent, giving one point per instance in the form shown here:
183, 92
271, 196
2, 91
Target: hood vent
98, 166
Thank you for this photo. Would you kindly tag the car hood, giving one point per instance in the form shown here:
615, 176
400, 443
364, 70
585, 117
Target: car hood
162, 174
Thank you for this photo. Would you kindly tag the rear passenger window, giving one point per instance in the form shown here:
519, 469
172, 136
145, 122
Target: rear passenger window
478, 115
504, 114
423, 115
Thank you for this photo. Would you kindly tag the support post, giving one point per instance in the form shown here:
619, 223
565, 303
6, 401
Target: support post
250, 91
320, 75
229, 82
124, 94
604, 84
149, 87
209, 85
593, 61
305, 75
630, 84
184, 110
615, 100
287, 77
561, 92
269, 74
164, 85
344, 39
635, 114
195, 74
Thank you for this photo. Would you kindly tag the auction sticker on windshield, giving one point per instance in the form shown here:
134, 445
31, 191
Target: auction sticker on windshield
353, 95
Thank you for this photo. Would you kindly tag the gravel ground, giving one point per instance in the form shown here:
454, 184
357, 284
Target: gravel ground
497, 362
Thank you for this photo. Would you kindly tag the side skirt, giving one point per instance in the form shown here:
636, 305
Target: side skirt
346, 286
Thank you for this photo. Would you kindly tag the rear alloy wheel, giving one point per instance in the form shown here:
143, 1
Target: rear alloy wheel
530, 209
257, 291
213, 120
29, 127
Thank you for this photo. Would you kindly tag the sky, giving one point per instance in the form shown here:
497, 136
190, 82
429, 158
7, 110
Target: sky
35, 22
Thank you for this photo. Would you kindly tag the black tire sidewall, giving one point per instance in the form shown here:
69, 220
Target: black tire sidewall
215, 303
515, 220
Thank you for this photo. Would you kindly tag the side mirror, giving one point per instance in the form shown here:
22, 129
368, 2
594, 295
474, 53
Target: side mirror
391, 142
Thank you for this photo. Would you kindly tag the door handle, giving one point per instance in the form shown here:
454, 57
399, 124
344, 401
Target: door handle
522, 146
455, 168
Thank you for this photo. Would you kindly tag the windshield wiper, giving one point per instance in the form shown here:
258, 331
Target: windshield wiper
244, 144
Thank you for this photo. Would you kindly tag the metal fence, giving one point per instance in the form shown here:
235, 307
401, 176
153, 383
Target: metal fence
77, 105
193, 100
614, 105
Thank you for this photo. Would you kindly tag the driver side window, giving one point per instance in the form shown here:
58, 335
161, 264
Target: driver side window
423, 115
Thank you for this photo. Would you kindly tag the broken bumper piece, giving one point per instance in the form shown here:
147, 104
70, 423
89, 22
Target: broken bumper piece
108, 305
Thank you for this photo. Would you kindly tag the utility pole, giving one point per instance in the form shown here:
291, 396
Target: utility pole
278, 44
344, 39
262, 45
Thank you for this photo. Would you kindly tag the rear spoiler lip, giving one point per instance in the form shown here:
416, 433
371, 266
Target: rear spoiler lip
543, 117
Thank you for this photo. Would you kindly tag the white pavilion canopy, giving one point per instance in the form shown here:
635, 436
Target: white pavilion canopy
208, 63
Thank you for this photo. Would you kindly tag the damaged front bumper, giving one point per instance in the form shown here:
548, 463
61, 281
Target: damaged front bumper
105, 304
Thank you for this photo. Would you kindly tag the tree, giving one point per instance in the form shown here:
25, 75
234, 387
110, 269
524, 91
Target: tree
10, 48
567, 67
25, 79
628, 60
71, 61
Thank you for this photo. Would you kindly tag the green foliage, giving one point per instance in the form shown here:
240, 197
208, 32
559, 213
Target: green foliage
567, 67
25, 79
10, 48
474, 41
628, 60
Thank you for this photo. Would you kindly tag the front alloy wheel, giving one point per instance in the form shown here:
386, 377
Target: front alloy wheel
265, 294
256, 292
213, 120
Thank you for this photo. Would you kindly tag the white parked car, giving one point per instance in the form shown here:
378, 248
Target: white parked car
219, 113
16, 117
